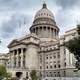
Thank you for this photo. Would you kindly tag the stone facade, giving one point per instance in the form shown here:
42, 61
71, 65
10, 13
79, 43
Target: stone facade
42, 49
3, 59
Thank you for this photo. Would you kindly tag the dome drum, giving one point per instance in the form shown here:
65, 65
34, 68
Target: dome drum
45, 31
44, 25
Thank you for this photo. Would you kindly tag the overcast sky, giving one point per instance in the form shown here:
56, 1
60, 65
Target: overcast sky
16, 17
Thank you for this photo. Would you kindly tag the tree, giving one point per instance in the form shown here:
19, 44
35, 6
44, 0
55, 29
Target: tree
73, 46
3, 73
33, 75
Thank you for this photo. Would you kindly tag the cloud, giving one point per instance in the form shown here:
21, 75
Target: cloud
9, 28
67, 19
17, 4
68, 4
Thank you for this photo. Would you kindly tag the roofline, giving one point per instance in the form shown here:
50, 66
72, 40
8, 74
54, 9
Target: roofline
71, 30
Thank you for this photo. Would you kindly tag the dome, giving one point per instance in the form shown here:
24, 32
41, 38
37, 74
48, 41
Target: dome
44, 25
44, 13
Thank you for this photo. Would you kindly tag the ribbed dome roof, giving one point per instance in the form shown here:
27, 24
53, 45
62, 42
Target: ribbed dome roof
44, 13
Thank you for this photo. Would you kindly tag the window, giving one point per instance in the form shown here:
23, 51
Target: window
19, 50
58, 56
50, 57
40, 74
58, 74
47, 74
58, 61
59, 66
54, 66
27, 75
40, 55
50, 48
24, 50
64, 73
47, 67
51, 74
54, 57
50, 62
15, 52
55, 74
65, 64
23, 63
40, 67
54, 61
46, 57
19, 63
40, 60
51, 66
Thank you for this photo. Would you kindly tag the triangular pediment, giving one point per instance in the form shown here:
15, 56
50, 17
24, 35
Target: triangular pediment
13, 43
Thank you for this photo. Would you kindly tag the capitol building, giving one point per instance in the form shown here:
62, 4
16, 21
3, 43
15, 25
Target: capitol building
42, 50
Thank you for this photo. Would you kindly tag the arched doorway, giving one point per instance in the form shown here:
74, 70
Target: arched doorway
18, 74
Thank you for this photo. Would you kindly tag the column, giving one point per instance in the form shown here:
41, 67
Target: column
40, 31
17, 59
55, 33
48, 31
21, 57
12, 59
52, 32
35, 31
42, 34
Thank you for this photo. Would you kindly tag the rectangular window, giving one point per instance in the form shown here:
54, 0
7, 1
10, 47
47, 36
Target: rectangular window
46, 57
40, 67
51, 66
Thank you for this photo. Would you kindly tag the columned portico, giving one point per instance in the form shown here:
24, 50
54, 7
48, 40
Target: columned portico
17, 57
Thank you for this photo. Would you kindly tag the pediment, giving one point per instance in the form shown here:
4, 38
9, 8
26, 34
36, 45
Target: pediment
13, 43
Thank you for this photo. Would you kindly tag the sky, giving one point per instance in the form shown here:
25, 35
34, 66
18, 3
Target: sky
16, 17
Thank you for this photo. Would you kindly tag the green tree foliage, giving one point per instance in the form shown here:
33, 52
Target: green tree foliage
33, 75
3, 73
73, 46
